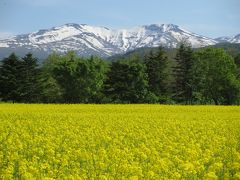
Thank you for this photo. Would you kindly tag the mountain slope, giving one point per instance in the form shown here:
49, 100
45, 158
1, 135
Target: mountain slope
91, 40
232, 49
225, 39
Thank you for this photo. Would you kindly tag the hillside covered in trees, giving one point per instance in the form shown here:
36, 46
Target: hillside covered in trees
152, 75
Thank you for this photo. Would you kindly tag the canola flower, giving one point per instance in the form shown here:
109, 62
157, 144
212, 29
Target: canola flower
119, 142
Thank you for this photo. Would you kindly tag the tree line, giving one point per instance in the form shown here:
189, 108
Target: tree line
205, 76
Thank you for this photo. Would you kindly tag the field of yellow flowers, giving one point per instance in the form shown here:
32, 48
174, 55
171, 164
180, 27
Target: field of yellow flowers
119, 142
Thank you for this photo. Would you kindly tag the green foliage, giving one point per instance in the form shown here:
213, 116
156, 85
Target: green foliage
20, 79
205, 76
29, 79
237, 62
81, 80
215, 77
231, 48
158, 74
51, 91
127, 81
182, 71
9, 78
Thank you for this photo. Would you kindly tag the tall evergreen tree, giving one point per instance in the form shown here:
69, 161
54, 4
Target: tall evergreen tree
237, 62
183, 75
158, 76
29, 79
9, 79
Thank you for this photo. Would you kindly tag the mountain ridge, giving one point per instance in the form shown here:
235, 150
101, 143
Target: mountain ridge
96, 40
229, 39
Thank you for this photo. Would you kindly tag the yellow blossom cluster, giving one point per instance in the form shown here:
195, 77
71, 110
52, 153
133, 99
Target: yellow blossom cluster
119, 142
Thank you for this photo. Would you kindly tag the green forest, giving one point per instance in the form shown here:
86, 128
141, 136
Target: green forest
204, 76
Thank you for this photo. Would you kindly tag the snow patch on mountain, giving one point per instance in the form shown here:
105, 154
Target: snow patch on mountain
55, 34
3, 44
229, 39
235, 39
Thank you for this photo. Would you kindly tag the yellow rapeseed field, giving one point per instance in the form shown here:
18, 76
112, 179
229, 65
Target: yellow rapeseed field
119, 142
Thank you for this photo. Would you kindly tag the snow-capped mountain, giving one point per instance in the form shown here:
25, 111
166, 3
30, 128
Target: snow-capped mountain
223, 39
233, 39
91, 40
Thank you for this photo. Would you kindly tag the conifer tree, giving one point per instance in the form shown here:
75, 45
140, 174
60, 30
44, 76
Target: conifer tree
158, 77
183, 75
29, 79
9, 79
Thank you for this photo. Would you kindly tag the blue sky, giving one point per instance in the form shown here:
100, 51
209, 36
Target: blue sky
212, 18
